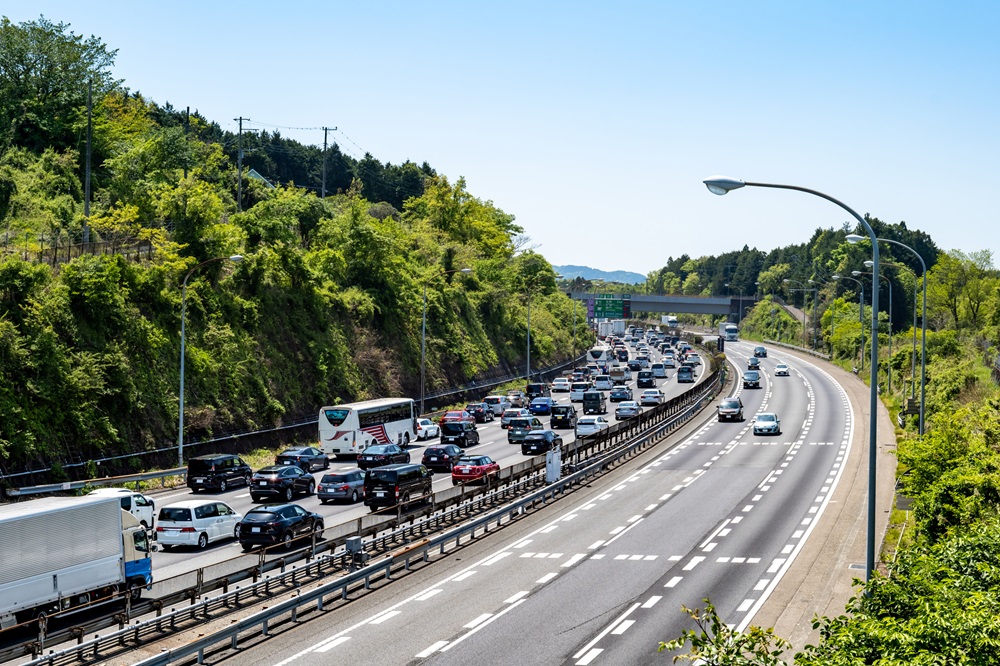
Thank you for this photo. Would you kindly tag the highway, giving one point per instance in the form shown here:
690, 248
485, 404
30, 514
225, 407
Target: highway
600, 577
493, 442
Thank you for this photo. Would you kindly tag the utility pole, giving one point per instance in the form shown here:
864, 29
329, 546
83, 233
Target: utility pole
322, 190
239, 166
187, 130
86, 180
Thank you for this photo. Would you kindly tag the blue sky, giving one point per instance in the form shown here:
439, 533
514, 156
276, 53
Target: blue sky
595, 123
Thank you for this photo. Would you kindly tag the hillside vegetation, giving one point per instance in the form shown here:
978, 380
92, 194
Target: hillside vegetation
325, 306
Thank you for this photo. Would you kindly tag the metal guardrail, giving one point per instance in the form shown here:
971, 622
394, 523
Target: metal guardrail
673, 414
76, 485
804, 350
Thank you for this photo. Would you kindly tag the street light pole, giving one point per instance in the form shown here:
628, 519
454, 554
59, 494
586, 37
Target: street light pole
888, 375
815, 301
721, 185
180, 415
805, 343
423, 338
854, 238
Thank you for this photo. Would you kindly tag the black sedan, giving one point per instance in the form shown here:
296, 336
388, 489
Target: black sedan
281, 482
382, 454
306, 457
441, 457
540, 441
277, 523
635, 364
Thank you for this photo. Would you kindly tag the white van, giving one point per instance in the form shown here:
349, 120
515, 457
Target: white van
659, 370
196, 523
140, 506
602, 383
576, 391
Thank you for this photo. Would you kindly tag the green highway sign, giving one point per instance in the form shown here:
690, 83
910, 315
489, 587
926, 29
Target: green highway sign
610, 306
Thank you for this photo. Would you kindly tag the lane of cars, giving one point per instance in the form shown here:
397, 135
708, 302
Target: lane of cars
392, 476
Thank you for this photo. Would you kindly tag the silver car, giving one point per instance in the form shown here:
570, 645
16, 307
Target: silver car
767, 423
513, 414
344, 486
627, 410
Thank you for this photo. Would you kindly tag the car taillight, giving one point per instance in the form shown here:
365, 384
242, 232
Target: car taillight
397, 492
345, 487
187, 529
159, 529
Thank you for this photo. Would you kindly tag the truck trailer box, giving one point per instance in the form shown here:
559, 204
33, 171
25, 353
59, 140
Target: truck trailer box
57, 547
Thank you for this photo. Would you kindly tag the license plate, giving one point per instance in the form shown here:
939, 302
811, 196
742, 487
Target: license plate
379, 494
199, 480
262, 483
286, 462
434, 459
255, 529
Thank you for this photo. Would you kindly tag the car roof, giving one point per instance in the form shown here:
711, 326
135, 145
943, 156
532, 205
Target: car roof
190, 504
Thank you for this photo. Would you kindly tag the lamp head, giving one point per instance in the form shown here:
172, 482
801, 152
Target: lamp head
786, 281
869, 263
855, 273
835, 277
720, 184
236, 257
854, 238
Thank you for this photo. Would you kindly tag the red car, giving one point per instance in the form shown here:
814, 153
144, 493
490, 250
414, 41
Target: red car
458, 416
473, 469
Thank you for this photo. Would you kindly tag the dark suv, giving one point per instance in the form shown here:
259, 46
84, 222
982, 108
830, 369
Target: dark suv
277, 523
537, 390
760, 352
460, 434
563, 416
394, 484
753, 363
217, 472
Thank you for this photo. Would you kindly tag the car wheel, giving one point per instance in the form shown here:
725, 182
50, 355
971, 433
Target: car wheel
326, 464
288, 494
318, 528
236, 531
323, 501
247, 547
406, 441
405, 499
354, 497
202, 541
286, 541
311, 489
223, 486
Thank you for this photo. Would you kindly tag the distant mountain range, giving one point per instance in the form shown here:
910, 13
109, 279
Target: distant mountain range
588, 273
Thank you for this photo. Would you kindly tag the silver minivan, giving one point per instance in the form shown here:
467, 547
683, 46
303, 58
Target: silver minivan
659, 370
576, 391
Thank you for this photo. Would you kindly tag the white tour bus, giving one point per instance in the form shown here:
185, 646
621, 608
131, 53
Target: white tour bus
346, 430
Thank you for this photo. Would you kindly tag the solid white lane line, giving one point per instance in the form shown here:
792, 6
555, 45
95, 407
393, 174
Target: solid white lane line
427, 595
431, 650
546, 578
332, 644
478, 621
496, 558
589, 657
605, 632
715, 533
385, 616
487, 622
463, 576
622, 627
519, 595
651, 602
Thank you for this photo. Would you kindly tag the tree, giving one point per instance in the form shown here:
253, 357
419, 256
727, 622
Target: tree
714, 643
44, 70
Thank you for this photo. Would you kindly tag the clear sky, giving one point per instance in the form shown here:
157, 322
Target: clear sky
594, 123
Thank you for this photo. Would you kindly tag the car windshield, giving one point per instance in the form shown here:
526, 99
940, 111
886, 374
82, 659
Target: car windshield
751, 375
512, 412
766, 417
588, 422
541, 401
730, 404
376, 449
388, 476
519, 423
335, 478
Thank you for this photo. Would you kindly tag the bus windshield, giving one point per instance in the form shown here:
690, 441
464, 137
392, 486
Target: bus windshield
336, 416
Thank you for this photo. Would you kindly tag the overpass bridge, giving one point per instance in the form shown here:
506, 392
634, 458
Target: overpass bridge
703, 305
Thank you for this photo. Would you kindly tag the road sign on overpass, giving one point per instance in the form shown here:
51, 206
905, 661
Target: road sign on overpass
609, 306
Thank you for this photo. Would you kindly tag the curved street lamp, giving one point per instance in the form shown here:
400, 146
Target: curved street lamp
423, 335
854, 238
888, 376
805, 342
184, 286
721, 185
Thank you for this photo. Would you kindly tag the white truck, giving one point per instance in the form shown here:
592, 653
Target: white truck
669, 320
729, 332
60, 553
605, 328
618, 327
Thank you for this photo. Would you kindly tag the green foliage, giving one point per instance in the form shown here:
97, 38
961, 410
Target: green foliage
714, 643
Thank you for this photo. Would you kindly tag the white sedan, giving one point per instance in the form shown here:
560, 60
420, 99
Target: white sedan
767, 423
427, 429
651, 397
588, 425
560, 385
781, 370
